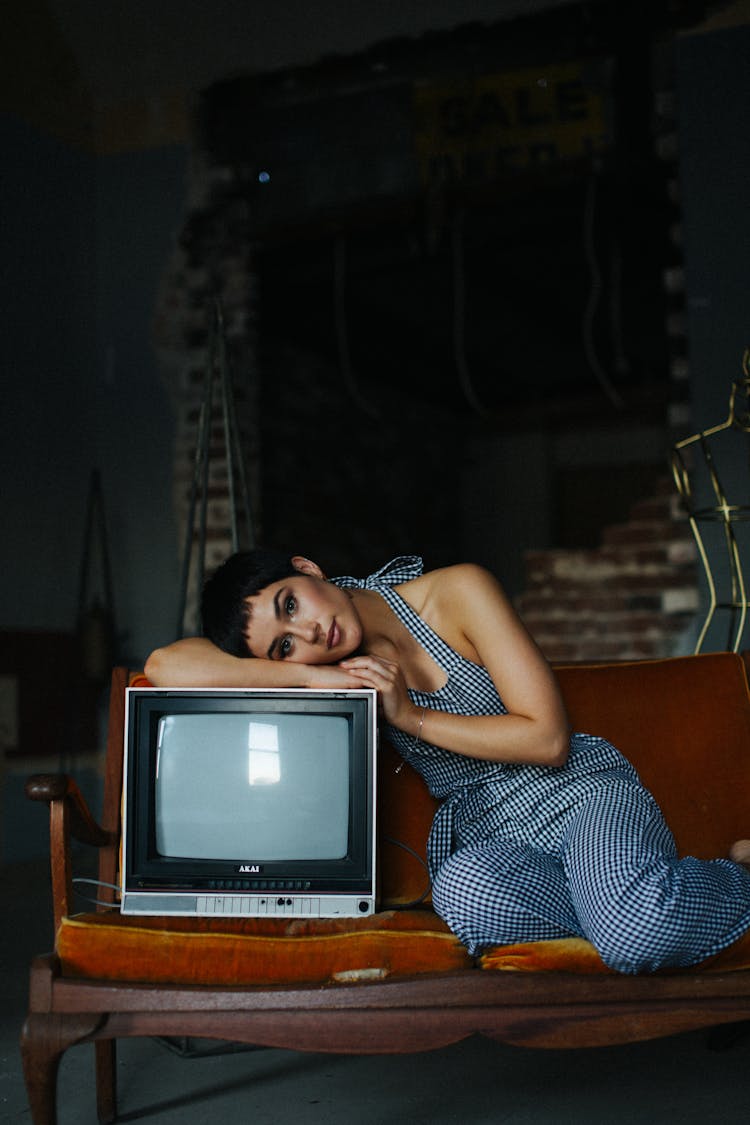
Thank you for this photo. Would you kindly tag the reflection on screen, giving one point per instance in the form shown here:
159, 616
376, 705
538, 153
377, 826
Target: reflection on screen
260, 788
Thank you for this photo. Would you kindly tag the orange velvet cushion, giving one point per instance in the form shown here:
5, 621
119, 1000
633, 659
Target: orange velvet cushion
575, 955
226, 952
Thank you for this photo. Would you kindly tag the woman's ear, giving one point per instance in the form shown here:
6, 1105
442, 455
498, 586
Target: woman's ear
307, 566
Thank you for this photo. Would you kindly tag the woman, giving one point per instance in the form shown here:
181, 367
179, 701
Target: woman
540, 833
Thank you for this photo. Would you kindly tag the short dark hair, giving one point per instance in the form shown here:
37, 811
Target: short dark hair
224, 611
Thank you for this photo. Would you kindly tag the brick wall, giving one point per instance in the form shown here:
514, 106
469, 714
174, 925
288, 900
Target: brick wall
633, 597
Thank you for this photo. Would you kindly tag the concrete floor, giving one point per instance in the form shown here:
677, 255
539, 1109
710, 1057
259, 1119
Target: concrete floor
693, 1079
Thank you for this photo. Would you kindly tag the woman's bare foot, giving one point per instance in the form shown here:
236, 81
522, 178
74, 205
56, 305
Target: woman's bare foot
740, 852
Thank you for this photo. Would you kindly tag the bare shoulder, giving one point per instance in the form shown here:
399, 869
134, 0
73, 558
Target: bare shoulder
453, 599
447, 582
468, 607
462, 584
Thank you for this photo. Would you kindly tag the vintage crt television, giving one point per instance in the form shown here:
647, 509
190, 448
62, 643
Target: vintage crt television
249, 802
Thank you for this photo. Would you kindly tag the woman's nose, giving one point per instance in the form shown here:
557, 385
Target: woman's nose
308, 631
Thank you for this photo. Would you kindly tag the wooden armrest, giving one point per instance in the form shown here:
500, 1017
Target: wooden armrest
70, 818
51, 787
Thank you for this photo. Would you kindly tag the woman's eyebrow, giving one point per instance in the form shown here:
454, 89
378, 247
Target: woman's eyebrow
277, 615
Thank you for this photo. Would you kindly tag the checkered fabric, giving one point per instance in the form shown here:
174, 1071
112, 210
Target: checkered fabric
524, 853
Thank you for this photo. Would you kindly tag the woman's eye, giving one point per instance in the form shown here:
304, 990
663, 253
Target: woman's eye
285, 647
290, 606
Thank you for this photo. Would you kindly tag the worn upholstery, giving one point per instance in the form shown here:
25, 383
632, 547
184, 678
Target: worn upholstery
239, 951
576, 955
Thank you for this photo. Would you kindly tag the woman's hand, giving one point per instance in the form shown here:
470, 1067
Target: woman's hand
388, 680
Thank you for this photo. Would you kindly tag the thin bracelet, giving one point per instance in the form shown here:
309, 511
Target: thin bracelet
419, 728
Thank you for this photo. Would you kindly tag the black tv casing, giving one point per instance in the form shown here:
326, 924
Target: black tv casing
241, 886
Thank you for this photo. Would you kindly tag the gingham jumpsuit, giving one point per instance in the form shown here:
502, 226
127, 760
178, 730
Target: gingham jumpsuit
523, 853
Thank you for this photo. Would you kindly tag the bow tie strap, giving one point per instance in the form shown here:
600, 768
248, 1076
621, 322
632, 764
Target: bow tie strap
398, 570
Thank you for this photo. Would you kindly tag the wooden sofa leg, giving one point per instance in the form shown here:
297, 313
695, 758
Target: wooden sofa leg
106, 1080
44, 1039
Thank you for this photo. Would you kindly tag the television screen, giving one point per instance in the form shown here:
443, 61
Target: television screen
261, 771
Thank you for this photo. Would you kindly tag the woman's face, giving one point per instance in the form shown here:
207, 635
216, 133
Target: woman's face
303, 619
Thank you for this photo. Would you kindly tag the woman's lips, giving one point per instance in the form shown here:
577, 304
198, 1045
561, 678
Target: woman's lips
334, 635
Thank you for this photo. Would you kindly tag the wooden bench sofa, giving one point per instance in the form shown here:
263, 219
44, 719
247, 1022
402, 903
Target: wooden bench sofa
397, 981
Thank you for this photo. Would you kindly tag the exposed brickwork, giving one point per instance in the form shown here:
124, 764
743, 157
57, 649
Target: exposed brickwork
633, 597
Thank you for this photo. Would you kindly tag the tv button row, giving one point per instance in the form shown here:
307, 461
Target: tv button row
253, 907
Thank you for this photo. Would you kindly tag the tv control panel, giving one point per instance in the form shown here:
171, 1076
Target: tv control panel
275, 903
295, 906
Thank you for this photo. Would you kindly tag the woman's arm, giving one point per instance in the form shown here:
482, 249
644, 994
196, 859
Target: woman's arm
197, 662
469, 609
